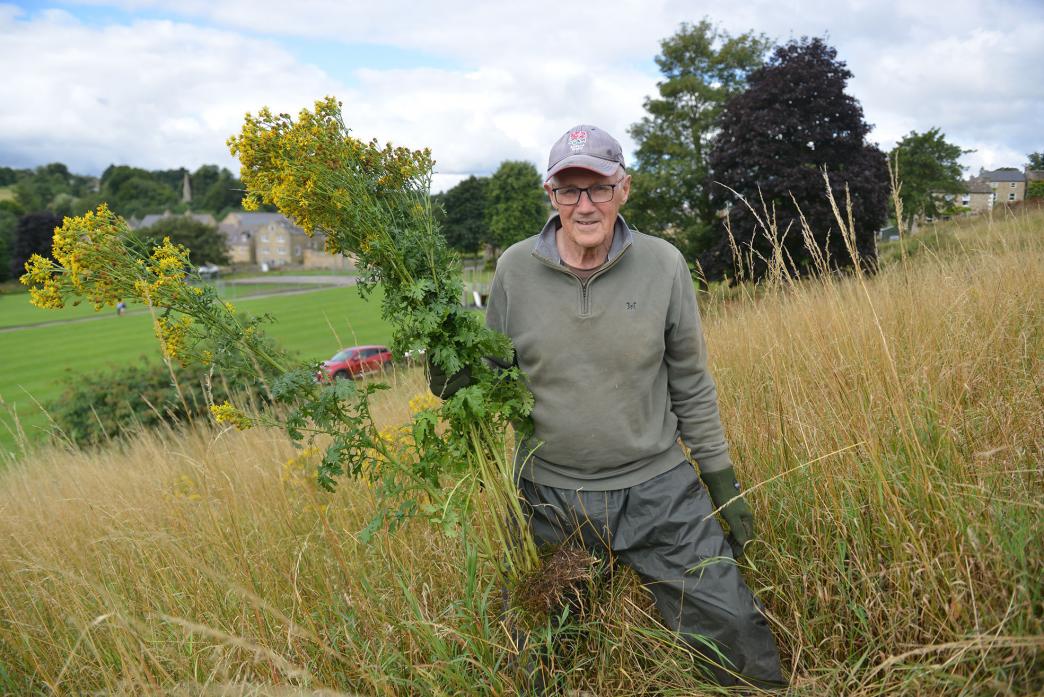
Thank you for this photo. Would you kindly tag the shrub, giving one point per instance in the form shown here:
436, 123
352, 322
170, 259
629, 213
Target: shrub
96, 408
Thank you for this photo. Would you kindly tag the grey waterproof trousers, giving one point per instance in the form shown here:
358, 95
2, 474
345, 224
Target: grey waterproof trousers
664, 530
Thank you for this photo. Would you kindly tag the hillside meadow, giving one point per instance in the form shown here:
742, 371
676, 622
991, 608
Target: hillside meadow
889, 430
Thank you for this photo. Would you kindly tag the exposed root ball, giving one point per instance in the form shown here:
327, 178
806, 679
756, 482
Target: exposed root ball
560, 579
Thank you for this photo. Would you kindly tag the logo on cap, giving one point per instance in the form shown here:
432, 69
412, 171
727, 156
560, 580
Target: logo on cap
577, 140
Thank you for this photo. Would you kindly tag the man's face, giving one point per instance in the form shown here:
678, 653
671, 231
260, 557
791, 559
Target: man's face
589, 224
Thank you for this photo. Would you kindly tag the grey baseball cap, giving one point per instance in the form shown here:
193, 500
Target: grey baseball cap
587, 147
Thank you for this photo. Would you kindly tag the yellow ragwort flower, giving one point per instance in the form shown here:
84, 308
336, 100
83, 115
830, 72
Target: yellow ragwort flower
226, 413
423, 400
173, 334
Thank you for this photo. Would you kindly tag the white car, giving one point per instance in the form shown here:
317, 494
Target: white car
208, 271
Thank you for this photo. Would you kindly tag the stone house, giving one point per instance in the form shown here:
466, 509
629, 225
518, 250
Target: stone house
995, 187
239, 240
977, 197
263, 238
1008, 185
274, 240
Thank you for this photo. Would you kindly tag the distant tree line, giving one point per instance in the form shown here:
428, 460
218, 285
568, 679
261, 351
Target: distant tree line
34, 201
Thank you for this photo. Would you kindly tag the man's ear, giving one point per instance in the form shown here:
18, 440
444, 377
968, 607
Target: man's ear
625, 189
550, 195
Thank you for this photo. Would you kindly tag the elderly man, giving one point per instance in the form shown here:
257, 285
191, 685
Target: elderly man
606, 329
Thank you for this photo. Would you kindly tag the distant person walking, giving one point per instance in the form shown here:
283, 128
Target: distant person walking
121, 307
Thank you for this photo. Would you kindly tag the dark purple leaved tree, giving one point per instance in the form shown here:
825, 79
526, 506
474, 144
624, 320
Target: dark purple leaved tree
793, 120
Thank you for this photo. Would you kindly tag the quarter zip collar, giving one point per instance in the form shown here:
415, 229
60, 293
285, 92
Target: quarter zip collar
546, 250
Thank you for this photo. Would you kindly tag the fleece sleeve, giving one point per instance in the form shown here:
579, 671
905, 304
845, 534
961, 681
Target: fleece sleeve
694, 397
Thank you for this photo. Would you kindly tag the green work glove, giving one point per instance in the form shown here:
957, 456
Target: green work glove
445, 386
723, 487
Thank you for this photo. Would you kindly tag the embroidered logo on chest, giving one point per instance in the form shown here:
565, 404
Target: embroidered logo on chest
632, 307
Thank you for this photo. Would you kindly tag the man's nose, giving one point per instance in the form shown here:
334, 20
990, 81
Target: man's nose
585, 196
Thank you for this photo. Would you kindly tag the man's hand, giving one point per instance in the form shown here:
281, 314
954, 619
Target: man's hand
445, 386
723, 487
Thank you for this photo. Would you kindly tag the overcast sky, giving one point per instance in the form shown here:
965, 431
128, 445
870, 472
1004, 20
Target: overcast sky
163, 84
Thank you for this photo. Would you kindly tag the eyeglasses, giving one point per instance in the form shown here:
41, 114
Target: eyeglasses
570, 195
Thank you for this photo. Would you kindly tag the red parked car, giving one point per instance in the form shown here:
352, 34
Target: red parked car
356, 361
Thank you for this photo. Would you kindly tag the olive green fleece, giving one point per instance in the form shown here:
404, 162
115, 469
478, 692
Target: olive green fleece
617, 366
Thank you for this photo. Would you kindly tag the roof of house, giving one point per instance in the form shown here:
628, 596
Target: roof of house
999, 175
977, 186
150, 219
153, 218
252, 220
233, 234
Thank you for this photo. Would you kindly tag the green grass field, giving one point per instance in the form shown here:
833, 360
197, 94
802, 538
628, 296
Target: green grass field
35, 359
16, 310
289, 272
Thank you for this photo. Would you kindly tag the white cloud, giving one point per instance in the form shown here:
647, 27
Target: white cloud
978, 86
495, 33
167, 94
152, 93
474, 120
510, 78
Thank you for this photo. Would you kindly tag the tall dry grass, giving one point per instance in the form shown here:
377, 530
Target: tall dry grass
889, 429
896, 426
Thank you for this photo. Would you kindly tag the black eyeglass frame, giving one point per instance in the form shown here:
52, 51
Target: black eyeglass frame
585, 190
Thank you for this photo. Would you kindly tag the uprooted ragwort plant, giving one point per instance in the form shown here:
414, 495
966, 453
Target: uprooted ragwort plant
373, 203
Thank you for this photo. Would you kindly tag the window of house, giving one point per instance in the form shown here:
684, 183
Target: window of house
1011, 196
264, 237
965, 199
1012, 185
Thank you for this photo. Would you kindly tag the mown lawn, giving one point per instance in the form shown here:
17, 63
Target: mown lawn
35, 359
17, 311
290, 272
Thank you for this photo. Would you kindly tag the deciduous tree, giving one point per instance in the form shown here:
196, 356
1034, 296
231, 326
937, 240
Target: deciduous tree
33, 235
927, 169
131, 191
37, 191
516, 206
215, 189
9, 175
702, 66
793, 121
8, 225
464, 224
1036, 161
